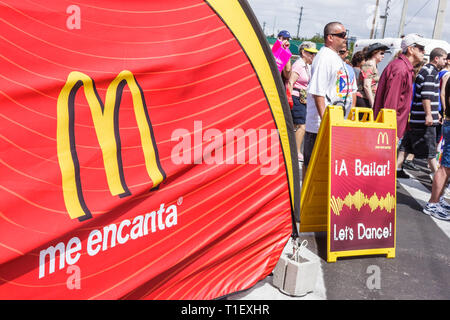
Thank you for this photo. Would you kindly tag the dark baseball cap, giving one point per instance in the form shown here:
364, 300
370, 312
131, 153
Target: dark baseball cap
376, 46
284, 34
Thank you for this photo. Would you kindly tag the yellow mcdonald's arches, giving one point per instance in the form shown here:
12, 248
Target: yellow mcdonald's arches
107, 131
238, 18
236, 15
383, 138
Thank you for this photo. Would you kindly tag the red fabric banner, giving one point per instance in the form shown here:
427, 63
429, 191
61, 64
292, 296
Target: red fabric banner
139, 156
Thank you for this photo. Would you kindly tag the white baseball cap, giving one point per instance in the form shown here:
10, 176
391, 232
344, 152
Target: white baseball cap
412, 39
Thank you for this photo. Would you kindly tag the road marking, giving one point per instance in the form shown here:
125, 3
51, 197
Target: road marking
264, 290
421, 194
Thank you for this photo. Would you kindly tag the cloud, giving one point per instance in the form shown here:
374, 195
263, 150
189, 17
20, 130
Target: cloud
356, 15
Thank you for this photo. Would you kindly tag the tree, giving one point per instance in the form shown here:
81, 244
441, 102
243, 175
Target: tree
316, 39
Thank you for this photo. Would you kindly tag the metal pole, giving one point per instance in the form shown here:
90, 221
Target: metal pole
299, 21
402, 20
439, 23
274, 25
374, 19
386, 13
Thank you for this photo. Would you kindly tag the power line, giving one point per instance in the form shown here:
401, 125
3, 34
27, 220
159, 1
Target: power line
418, 12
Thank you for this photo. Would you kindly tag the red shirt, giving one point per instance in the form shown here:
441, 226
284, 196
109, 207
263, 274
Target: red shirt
395, 91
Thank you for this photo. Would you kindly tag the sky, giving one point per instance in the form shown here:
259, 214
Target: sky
356, 15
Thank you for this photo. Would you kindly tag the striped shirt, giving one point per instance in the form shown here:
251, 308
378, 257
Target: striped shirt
427, 87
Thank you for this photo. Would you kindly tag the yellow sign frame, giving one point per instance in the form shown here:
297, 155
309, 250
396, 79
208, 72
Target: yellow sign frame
315, 208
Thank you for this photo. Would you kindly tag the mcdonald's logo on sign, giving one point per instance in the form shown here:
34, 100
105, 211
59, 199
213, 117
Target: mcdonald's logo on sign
383, 138
105, 118
383, 141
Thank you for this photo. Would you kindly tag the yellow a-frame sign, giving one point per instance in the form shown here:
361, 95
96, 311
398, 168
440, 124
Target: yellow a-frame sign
350, 186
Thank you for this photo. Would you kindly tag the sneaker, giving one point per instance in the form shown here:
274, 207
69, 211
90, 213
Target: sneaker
402, 174
408, 164
430, 207
441, 215
436, 211
444, 204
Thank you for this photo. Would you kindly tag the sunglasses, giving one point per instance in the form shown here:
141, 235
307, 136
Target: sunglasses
343, 51
341, 35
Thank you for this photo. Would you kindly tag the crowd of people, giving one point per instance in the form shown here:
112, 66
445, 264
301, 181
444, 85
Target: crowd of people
417, 89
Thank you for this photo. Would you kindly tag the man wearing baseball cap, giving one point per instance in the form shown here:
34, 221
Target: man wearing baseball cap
413, 40
421, 136
395, 87
391, 94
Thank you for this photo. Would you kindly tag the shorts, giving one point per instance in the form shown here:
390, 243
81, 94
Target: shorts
308, 146
445, 162
298, 111
421, 142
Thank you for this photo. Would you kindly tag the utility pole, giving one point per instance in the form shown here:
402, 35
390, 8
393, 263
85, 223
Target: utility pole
374, 19
386, 13
274, 25
299, 22
402, 20
439, 23
264, 28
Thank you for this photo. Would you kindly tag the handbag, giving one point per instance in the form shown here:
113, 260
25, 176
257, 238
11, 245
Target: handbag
302, 96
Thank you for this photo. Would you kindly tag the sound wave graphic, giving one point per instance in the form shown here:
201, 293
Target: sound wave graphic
359, 199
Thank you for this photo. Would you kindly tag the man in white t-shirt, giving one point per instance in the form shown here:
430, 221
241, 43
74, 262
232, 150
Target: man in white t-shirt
329, 84
353, 87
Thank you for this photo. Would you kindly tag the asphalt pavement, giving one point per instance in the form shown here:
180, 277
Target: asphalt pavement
419, 271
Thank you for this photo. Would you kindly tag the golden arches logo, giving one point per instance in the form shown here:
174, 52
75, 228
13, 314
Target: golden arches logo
383, 138
383, 141
105, 118
359, 199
